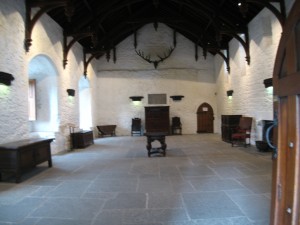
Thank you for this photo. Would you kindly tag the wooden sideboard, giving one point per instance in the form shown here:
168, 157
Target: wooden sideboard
229, 122
82, 139
17, 156
157, 119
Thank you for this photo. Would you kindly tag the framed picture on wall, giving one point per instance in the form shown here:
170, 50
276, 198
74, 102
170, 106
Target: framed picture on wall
157, 99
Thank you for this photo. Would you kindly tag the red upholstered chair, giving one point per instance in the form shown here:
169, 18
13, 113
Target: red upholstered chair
241, 135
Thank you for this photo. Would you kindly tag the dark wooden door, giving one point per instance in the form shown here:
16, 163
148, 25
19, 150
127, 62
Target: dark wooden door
286, 166
205, 119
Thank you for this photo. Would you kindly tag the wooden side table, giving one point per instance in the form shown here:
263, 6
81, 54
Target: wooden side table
156, 136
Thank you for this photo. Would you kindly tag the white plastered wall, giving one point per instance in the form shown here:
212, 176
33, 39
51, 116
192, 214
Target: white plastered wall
47, 39
250, 97
13, 101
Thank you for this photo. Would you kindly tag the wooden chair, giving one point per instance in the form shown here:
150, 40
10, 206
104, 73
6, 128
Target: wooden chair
241, 134
176, 126
136, 126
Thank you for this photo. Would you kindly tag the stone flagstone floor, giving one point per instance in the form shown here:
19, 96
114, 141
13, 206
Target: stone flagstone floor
201, 181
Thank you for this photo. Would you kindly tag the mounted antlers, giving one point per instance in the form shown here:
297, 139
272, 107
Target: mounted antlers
155, 62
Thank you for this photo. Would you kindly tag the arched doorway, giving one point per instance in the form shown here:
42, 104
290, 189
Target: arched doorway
205, 118
43, 74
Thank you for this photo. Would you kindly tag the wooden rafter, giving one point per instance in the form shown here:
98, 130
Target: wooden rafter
111, 21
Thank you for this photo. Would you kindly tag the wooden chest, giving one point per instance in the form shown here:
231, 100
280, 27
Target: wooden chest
17, 156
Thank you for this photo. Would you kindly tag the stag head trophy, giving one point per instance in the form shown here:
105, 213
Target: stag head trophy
160, 58
155, 62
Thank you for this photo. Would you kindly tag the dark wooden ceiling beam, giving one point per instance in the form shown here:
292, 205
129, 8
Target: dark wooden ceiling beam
213, 19
129, 9
155, 3
88, 6
42, 4
232, 31
115, 9
103, 13
185, 24
118, 30
113, 36
159, 19
216, 24
219, 17
113, 39
201, 21
177, 22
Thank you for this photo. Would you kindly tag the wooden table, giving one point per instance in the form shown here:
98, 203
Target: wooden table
156, 136
20, 155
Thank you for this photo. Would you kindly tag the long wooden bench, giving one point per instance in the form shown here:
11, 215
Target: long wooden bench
16, 157
106, 130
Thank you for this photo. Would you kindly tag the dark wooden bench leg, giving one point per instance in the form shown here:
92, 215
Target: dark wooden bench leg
18, 176
50, 162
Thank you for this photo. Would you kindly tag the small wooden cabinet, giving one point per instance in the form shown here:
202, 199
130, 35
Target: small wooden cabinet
17, 156
157, 119
229, 122
82, 139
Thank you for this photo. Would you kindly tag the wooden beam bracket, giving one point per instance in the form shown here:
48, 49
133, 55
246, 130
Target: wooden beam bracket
280, 14
67, 46
88, 57
45, 6
244, 42
225, 57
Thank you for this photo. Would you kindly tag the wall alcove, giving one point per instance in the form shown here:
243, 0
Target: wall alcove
42, 70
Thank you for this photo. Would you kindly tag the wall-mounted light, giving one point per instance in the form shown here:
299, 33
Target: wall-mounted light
177, 97
268, 82
6, 78
136, 98
229, 93
71, 92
